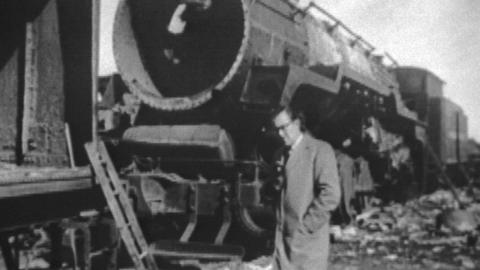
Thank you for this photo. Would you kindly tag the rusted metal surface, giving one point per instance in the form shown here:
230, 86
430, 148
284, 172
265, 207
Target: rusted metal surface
44, 83
43, 136
36, 88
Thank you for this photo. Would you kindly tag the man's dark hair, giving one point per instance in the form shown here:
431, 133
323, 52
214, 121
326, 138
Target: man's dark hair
294, 114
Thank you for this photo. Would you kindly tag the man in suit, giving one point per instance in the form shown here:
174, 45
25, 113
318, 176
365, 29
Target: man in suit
310, 191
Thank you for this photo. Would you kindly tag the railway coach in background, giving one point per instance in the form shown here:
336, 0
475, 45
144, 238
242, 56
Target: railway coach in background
447, 125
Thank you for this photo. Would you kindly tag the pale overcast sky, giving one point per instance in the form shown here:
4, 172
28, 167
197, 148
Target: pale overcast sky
440, 35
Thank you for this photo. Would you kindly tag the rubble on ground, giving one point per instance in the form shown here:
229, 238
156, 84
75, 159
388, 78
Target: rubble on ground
429, 232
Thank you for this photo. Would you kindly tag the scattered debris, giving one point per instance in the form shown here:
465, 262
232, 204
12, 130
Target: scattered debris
429, 232
465, 261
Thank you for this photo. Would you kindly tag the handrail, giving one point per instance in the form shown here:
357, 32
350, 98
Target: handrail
337, 22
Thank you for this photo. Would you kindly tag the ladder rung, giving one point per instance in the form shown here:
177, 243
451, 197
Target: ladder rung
143, 255
127, 225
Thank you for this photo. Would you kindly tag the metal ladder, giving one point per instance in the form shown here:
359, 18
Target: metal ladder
119, 205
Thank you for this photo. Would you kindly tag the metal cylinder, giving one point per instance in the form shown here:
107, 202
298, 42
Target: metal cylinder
172, 53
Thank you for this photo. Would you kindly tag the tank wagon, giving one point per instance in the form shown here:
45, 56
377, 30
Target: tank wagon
187, 118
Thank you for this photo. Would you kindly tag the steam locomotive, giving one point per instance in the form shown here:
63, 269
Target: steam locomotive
187, 117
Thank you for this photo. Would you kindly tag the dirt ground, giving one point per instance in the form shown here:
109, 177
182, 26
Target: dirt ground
429, 232
388, 254
402, 256
392, 255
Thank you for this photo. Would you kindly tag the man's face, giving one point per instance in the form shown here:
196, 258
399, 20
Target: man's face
287, 128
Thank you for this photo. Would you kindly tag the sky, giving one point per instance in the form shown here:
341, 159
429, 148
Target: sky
442, 36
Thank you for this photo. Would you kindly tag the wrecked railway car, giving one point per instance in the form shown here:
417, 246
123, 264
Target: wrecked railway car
187, 118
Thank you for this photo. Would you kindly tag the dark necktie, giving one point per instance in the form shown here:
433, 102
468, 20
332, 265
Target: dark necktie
286, 154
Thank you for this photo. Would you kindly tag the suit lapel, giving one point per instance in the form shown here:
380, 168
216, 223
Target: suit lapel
299, 153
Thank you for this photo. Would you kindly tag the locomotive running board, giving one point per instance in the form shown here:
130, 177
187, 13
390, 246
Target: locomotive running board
119, 205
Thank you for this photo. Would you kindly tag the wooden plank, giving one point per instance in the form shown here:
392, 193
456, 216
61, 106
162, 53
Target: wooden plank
31, 83
27, 189
43, 141
19, 175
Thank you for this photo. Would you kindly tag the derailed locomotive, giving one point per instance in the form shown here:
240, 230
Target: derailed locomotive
194, 139
207, 74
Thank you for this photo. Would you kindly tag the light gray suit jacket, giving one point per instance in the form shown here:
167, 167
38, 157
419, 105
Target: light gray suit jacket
311, 191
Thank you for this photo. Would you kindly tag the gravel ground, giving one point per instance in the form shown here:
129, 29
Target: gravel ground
380, 256
396, 236
401, 256
373, 255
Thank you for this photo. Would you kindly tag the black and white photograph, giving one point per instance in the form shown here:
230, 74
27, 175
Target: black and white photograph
239, 134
